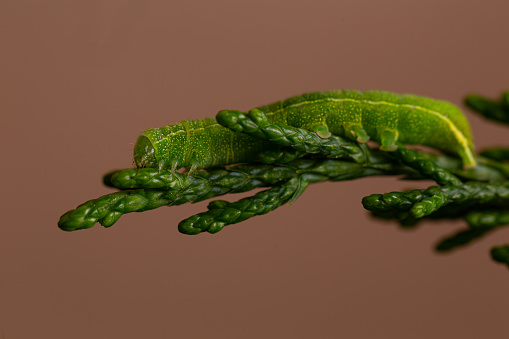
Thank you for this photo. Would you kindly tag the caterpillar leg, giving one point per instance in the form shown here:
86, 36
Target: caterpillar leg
197, 162
320, 128
359, 134
388, 141
172, 164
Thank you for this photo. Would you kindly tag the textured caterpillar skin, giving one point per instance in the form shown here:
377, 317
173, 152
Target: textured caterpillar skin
377, 115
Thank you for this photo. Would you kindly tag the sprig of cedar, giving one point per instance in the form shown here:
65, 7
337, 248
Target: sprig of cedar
480, 195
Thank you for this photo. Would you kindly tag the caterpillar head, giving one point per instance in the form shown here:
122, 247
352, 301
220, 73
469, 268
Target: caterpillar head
144, 153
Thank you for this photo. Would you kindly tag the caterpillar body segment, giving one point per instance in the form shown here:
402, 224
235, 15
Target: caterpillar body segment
195, 144
384, 117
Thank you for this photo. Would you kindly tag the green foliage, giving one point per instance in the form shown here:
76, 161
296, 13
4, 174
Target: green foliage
478, 195
497, 110
501, 254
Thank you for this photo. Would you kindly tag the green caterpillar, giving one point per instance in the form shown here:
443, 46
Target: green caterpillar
381, 116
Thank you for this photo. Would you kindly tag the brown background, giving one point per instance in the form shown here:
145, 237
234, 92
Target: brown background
81, 79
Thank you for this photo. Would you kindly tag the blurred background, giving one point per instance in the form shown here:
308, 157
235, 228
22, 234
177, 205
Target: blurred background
81, 79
